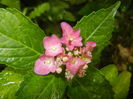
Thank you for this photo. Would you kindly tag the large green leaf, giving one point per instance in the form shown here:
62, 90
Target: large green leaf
98, 27
122, 85
93, 86
11, 3
9, 83
42, 87
20, 40
110, 72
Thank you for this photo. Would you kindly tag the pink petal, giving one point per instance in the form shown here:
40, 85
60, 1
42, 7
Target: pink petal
52, 45
40, 69
91, 44
64, 40
71, 37
70, 47
76, 33
74, 65
66, 28
43, 68
51, 52
77, 42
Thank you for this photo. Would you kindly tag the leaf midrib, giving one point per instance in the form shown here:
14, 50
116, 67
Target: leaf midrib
81, 85
100, 24
46, 87
21, 43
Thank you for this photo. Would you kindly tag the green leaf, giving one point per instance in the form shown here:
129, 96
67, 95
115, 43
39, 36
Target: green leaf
20, 40
11, 3
92, 86
89, 7
110, 72
68, 16
94, 6
39, 10
57, 10
40, 87
122, 85
98, 27
9, 83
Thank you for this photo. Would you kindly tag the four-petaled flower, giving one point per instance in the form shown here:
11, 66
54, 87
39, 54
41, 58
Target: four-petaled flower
44, 65
74, 64
70, 37
52, 45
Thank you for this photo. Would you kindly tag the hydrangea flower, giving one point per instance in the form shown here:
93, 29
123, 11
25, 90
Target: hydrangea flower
44, 65
52, 45
74, 64
71, 38
74, 56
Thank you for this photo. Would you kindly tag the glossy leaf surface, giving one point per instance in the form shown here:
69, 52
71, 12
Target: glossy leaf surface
9, 83
93, 86
98, 27
122, 85
20, 40
110, 72
40, 87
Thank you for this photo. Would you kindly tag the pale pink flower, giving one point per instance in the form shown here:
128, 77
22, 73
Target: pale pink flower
52, 45
44, 65
74, 64
70, 37
90, 45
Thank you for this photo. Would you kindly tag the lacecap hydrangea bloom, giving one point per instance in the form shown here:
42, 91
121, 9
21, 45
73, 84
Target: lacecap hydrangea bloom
74, 56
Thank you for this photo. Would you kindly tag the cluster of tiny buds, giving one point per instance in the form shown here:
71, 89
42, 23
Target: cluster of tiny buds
61, 59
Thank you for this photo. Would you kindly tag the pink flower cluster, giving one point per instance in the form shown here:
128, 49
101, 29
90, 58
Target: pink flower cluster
67, 51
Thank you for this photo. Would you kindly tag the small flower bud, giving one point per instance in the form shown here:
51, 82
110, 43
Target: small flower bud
70, 54
58, 62
81, 73
67, 49
59, 70
85, 66
68, 75
76, 52
65, 59
89, 53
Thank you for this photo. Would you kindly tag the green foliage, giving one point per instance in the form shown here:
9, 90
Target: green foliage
20, 40
68, 16
38, 87
110, 72
53, 11
39, 10
122, 85
11, 3
98, 27
76, 2
58, 11
9, 83
92, 86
